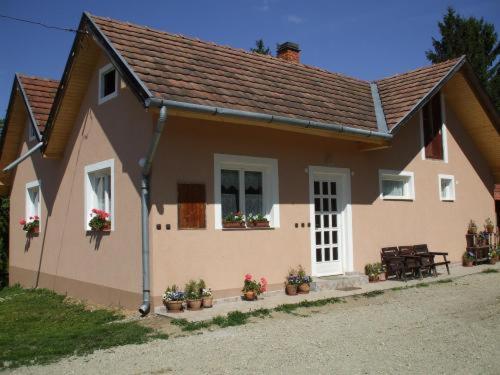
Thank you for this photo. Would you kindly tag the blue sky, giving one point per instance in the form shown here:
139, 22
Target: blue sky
364, 39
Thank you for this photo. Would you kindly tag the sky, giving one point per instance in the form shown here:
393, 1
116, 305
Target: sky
363, 39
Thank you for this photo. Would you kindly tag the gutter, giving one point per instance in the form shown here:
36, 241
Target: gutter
22, 157
225, 112
146, 170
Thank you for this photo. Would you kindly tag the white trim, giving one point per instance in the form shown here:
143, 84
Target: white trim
444, 132
92, 168
453, 194
104, 70
346, 235
385, 174
270, 186
28, 203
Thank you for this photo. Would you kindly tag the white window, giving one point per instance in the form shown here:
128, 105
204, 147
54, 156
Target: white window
246, 184
446, 187
33, 201
99, 190
31, 130
108, 83
396, 185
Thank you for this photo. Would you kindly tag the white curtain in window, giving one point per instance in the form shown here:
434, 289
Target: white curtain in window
253, 193
445, 188
393, 188
229, 191
34, 195
101, 184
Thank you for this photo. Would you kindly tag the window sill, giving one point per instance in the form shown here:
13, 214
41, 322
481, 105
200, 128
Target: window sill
389, 198
90, 232
448, 200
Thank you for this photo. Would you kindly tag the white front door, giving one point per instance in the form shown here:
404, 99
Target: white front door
329, 237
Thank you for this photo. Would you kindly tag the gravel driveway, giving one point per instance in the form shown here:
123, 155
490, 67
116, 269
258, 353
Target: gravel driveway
451, 328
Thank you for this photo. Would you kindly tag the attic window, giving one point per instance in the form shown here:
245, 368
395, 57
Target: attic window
108, 83
433, 129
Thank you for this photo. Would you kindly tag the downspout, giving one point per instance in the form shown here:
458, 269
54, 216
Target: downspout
146, 170
22, 157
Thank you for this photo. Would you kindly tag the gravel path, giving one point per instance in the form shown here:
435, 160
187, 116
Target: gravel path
451, 328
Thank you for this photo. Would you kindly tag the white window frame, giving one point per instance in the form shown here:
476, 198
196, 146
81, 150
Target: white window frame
409, 177
31, 130
444, 132
270, 188
453, 193
88, 190
104, 70
29, 203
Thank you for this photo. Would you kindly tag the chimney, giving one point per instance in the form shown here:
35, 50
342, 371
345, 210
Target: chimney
289, 51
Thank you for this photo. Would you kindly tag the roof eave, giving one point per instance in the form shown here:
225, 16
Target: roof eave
27, 105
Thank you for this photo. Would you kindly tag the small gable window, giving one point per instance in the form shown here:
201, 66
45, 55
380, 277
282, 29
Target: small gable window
108, 83
33, 205
432, 123
446, 188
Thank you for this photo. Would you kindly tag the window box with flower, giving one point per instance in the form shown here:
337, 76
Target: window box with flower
31, 225
99, 220
252, 288
234, 220
257, 221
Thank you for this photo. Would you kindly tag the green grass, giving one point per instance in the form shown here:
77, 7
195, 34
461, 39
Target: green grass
38, 326
444, 281
489, 270
373, 293
422, 285
290, 307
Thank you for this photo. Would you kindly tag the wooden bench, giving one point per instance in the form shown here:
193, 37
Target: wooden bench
394, 264
428, 257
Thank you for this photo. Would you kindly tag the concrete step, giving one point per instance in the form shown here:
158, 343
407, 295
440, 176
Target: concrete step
351, 280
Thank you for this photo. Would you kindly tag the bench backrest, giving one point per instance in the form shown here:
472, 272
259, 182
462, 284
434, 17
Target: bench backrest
421, 249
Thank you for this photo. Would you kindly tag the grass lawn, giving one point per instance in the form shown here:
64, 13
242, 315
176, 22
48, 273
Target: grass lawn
39, 326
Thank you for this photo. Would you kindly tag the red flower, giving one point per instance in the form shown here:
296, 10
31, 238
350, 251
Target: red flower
36, 217
263, 284
248, 277
22, 222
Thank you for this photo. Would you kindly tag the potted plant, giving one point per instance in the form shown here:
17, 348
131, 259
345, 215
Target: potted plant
489, 226
193, 296
468, 259
483, 238
206, 294
173, 299
373, 271
99, 220
234, 220
251, 288
31, 226
492, 254
472, 228
257, 221
292, 282
305, 281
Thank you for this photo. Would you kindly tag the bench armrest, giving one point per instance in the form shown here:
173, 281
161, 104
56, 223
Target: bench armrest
437, 253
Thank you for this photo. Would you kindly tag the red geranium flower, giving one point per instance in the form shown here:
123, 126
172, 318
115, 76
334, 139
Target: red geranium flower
248, 277
22, 222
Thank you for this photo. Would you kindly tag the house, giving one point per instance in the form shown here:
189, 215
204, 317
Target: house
170, 134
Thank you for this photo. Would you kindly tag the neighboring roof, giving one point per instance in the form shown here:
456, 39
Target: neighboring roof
401, 93
40, 93
183, 69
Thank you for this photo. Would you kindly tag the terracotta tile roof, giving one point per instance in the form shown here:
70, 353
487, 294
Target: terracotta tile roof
40, 93
184, 69
400, 93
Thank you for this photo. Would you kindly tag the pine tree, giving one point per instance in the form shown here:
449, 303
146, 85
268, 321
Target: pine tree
472, 37
261, 48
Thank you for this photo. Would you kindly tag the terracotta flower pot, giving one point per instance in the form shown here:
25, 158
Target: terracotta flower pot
303, 288
291, 290
493, 260
490, 228
207, 302
194, 304
374, 278
258, 224
468, 263
250, 295
233, 224
174, 306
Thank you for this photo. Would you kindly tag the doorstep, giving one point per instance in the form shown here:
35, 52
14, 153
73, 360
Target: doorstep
324, 289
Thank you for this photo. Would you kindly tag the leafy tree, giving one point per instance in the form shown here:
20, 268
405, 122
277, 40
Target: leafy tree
472, 37
261, 48
4, 241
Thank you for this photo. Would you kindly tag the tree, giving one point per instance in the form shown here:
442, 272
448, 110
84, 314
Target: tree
4, 241
472, 37
261, 48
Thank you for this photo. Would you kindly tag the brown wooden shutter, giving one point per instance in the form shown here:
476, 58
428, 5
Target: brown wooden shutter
191, 206
432, 124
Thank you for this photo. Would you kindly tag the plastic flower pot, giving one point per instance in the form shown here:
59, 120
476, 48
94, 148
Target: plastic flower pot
303, 288
259, 224
250, 295
207, 302
233, 224
174, 306
291, 289
194, 304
